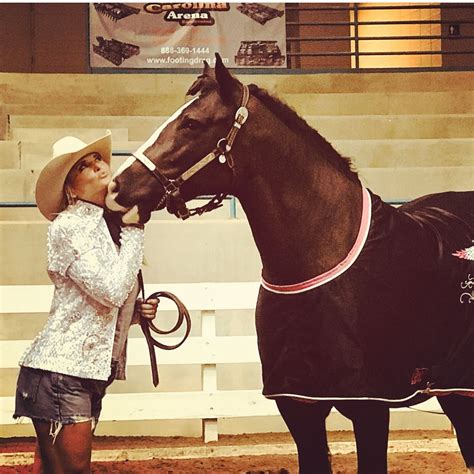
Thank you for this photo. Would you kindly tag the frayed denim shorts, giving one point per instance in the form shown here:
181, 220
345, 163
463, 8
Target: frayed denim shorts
58, 398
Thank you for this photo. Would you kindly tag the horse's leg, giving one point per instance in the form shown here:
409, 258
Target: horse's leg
307, 425
460, 411
371, 424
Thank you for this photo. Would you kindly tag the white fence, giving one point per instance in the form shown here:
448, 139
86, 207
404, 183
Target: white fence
207, 350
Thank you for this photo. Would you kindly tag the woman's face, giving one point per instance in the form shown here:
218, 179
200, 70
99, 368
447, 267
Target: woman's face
89, 178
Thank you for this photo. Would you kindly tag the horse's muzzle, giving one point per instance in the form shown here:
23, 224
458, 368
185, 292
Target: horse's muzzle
110, 199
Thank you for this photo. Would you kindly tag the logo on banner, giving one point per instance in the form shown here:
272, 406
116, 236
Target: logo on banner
187, 14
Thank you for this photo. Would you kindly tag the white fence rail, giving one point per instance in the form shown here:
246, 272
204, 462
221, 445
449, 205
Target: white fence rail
210, 404
207, 350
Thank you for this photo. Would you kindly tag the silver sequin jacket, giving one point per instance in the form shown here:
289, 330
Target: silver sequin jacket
92, 280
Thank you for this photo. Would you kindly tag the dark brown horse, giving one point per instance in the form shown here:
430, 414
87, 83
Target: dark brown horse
362, 306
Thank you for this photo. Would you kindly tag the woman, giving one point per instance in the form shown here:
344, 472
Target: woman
93, 264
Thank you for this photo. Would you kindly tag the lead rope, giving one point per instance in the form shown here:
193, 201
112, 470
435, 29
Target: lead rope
148, 326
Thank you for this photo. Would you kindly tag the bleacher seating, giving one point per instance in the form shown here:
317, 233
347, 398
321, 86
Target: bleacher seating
395, 119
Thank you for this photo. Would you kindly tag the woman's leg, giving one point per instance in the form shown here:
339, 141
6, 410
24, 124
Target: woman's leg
46, 458
74, 446
38, 462
71, 451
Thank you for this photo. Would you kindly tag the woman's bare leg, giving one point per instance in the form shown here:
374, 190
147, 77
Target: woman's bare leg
47, 460
71, 451
74, 445
38, 463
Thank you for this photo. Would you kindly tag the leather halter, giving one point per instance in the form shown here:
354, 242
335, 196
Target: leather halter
222, 151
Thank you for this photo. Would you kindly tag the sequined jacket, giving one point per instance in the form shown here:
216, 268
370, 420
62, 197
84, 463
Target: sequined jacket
92, 280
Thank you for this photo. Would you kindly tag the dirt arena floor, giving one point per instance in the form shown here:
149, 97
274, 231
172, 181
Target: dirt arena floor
406, 463
398, 464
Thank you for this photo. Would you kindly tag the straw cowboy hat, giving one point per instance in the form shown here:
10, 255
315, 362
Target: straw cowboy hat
66, 153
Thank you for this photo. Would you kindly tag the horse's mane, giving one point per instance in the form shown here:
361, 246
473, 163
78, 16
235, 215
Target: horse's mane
300, 126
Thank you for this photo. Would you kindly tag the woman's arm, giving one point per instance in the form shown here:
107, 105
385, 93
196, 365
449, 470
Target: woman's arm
108, 283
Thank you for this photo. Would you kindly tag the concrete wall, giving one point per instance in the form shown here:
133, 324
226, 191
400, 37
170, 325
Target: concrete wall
458, 42
305, 15
16, 49
43, 37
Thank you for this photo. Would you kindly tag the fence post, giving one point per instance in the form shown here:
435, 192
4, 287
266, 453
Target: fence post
209, 375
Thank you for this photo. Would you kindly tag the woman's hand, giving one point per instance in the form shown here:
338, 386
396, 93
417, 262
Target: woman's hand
147, 309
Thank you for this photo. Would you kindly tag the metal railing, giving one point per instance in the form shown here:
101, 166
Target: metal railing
349, 27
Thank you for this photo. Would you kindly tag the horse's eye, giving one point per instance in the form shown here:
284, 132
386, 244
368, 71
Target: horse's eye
191, 124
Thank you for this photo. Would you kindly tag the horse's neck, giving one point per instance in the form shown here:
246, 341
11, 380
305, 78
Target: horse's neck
304, 214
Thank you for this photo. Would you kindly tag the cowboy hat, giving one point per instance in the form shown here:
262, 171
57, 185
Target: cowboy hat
66, 153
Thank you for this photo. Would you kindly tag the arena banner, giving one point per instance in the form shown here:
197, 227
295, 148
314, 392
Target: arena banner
184, 35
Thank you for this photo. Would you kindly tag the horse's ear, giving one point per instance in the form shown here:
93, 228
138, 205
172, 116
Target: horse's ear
228, 84
207, 71
202, 80
196, 86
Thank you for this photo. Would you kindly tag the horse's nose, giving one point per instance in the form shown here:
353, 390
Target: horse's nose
112, 193
113, 187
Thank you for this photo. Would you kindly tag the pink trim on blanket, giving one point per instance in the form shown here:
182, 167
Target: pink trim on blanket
442, 393
340, 267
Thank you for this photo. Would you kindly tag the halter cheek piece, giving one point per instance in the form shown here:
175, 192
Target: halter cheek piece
222, 151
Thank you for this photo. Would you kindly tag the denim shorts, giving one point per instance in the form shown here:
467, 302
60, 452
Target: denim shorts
58, 398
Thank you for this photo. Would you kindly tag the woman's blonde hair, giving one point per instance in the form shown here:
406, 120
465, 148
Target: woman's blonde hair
68, 196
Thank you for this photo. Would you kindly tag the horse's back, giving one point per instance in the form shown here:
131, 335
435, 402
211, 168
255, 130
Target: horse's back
448, 217
458, 203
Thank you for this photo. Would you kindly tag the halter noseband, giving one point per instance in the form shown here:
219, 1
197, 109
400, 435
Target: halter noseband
222, 151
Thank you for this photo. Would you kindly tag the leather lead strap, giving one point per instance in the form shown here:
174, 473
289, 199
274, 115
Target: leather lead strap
146, 331
148, 326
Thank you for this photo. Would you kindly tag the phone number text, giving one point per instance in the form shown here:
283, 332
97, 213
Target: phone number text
184, 50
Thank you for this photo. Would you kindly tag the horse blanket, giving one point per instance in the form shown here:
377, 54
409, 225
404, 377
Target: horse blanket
398, 322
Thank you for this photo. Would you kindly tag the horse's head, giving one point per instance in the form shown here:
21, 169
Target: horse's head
189, 155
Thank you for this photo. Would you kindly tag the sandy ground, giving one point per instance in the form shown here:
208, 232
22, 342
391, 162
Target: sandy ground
409, 463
